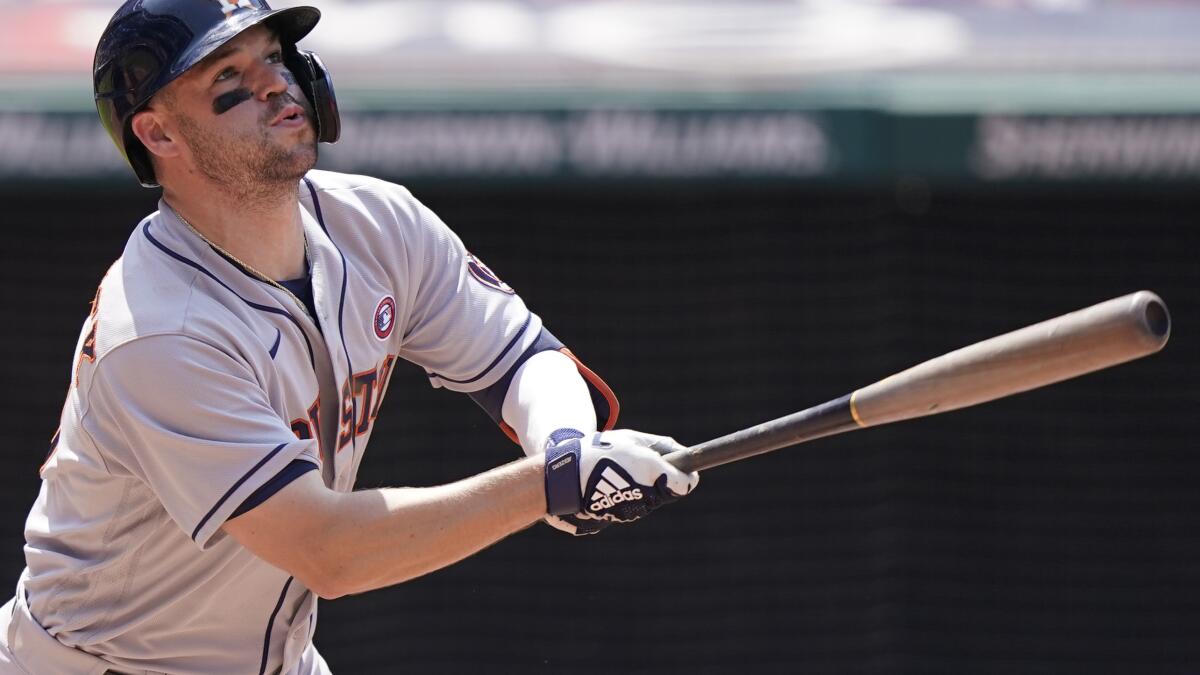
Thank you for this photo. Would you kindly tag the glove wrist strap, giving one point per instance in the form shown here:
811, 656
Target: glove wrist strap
563, 495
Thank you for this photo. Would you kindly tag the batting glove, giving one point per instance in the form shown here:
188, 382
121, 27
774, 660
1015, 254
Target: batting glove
609, 477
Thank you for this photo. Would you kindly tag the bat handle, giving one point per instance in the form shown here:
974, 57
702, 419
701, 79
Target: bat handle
826, 419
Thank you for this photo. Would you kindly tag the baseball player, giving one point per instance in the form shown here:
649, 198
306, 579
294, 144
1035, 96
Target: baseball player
199, 494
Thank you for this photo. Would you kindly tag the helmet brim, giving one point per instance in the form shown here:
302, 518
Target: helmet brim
290, 24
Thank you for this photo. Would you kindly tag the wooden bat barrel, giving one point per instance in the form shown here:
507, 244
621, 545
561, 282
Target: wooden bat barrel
1100, 336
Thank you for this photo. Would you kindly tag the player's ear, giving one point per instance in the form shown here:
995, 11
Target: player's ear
152, 128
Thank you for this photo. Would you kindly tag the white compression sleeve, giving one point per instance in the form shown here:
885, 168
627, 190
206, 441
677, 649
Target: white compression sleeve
547, 393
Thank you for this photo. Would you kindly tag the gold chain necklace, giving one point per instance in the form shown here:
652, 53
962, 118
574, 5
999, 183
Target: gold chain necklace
253, 272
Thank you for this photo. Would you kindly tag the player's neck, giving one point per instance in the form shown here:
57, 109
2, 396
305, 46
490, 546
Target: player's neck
269, 237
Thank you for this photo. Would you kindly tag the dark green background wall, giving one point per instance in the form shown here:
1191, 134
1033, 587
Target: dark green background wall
1054, 532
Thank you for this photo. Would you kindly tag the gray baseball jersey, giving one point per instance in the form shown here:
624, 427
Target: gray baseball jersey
195, 384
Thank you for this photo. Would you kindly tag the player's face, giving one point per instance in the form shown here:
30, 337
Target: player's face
243, 117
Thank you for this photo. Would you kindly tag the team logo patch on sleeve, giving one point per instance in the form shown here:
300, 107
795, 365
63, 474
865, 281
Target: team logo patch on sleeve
385, 317
484, 275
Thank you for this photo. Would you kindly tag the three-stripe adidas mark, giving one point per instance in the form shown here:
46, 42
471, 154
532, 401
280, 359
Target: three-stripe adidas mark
611, 490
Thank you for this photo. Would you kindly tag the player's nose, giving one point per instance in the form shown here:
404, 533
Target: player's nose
271, 80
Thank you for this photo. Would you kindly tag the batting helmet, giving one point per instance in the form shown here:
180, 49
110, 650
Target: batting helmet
150, 43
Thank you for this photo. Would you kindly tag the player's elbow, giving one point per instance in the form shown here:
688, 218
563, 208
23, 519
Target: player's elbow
333, 574
301, 530
333, 571
312, 563
331, 593
327, 585
333, 558
327, 567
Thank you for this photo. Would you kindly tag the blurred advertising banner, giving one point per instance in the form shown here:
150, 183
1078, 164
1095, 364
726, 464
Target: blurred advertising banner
637, 144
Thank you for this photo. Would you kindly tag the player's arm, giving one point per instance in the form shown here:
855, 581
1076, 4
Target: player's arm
341, 543
548, 389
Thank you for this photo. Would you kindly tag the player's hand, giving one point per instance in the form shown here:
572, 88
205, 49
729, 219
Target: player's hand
608, 477
577, 524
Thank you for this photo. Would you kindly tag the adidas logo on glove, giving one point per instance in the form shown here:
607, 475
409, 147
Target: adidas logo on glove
611, 490
612, 477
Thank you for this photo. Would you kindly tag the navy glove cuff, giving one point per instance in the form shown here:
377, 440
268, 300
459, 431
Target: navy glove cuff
562, 472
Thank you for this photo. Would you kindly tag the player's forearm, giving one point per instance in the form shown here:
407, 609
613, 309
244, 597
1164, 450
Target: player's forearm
377, 538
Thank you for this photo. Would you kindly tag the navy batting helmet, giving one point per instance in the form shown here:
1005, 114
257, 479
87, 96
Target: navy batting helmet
149, 43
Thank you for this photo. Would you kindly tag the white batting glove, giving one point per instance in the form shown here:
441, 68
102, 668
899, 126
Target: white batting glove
609, 477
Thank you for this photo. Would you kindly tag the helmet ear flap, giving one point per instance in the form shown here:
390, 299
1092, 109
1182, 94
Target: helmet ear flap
138, 156
317, 86
143, 166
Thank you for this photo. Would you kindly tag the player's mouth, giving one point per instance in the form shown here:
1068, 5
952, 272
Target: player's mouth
292, 115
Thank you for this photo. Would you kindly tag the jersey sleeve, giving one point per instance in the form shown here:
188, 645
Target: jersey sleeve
193, 424
464, 325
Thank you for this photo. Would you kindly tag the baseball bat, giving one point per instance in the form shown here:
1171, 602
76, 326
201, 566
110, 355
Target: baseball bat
1093, 338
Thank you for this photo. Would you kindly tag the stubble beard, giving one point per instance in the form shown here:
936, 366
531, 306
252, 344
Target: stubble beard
252, 166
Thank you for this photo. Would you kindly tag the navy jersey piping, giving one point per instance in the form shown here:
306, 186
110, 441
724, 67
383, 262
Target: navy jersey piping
234, 488
312, 190
275, 347
271, 622
511, 343
262, 308
297, 468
